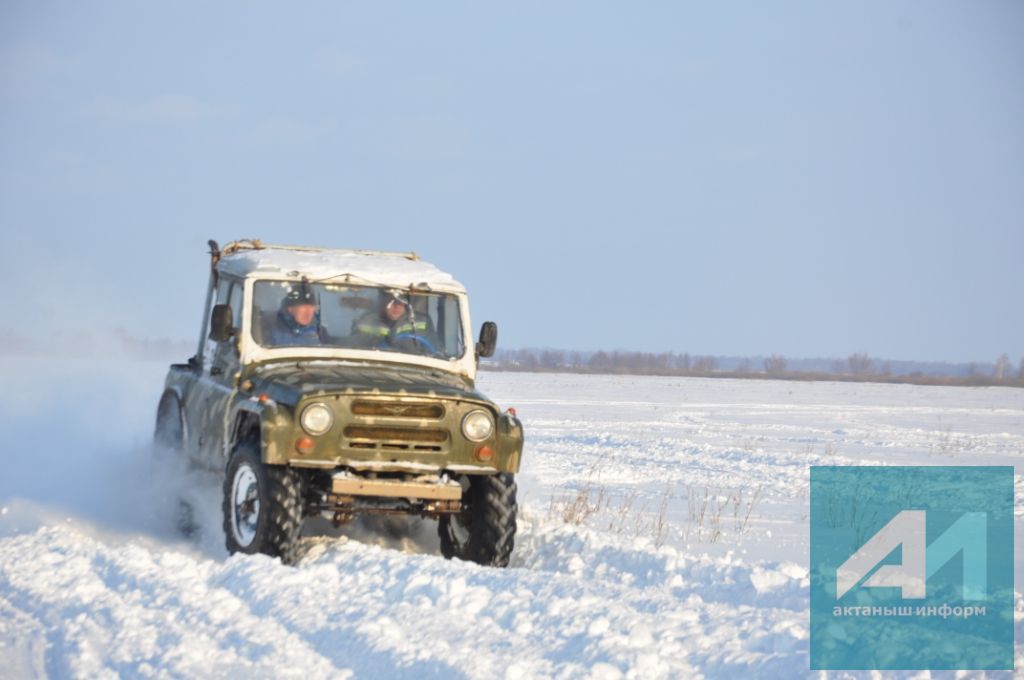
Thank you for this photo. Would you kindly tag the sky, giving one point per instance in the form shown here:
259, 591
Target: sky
808, 179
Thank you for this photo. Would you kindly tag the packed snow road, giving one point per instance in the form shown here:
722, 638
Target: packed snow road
662, 534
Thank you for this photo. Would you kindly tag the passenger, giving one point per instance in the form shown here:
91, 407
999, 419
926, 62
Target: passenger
392, 326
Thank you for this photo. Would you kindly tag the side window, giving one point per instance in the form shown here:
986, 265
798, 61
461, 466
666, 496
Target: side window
229, 292
235, 300
224, 354
223, 289
449, 324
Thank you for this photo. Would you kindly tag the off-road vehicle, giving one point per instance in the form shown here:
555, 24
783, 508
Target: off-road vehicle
340, 383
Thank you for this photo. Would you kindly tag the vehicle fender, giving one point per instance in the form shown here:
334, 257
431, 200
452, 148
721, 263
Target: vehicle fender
510, 442
271, 418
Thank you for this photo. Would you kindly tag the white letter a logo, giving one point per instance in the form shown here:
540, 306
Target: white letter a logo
906, 529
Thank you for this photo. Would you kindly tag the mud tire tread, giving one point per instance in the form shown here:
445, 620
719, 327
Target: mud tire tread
280, 523
491, 522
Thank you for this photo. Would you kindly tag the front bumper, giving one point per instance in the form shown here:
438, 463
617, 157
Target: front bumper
438, 489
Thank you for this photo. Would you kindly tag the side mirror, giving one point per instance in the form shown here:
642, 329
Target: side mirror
488, 339
220, 323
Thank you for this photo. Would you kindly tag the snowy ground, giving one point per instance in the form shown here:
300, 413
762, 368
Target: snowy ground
663, 534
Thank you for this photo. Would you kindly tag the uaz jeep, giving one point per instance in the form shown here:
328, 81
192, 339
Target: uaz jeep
340, 383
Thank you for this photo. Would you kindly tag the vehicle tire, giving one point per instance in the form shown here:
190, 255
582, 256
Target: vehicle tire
169, 444
262, 506
169, 435
484, 532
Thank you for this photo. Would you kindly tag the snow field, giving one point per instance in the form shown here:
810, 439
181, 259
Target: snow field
576, 605
95, 583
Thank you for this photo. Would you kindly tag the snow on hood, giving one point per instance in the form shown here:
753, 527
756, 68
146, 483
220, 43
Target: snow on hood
286, 381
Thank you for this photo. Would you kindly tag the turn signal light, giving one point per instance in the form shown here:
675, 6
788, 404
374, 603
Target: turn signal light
484, 454
304, 445
511, 411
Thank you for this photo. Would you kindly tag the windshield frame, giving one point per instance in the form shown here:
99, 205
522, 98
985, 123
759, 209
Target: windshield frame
253, 352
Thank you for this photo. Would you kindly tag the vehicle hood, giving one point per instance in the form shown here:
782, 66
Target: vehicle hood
287, 383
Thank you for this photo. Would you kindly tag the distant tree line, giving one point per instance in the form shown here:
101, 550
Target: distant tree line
858, 367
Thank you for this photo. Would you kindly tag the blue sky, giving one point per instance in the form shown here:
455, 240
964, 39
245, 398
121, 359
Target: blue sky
811, 179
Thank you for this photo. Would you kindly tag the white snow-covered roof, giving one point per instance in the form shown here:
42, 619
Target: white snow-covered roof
403, 270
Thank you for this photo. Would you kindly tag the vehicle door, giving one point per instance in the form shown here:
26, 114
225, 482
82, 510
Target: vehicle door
210, 400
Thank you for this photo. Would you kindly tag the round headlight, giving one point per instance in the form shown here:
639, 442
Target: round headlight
477, 425
317, 419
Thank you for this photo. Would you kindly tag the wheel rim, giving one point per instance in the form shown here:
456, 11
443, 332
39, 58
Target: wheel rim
245, 505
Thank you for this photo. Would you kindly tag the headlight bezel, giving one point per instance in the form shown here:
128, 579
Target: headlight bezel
476, 414
316, 407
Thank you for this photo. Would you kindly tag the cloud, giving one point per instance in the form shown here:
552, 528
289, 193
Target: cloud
164, 109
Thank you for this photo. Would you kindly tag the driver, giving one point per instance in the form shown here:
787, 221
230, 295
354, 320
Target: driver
395, 326
298, 320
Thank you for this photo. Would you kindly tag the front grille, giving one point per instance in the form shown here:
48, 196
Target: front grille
394, 438
397, 409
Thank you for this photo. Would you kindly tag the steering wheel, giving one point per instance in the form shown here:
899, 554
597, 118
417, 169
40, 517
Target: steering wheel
421, 341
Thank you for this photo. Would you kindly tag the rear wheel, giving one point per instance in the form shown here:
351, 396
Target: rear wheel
484, 532
169, 445
169, 436
262, 506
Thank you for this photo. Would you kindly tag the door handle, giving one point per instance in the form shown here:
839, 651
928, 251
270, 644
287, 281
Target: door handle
216, 370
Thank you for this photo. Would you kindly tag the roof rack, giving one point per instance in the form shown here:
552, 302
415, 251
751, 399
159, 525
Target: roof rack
256, 244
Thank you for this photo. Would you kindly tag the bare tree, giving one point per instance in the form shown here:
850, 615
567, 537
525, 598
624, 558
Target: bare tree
775, 364
663, 362
526, 360
600, 361
743, 366
683, 362
1002, 367
705, 364
859, 363
552, 359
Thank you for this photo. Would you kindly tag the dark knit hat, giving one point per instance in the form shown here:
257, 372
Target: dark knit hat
300, 294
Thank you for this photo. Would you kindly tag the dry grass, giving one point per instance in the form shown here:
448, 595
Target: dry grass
593, 505
949, 444
711, 513
707, 510
579, 508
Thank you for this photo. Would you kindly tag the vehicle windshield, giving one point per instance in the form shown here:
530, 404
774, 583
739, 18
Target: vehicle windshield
309, 314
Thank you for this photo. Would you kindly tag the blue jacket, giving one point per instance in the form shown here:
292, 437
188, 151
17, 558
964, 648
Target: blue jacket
287, 332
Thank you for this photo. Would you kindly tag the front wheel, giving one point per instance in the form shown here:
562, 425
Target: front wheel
484, 532
262, 506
